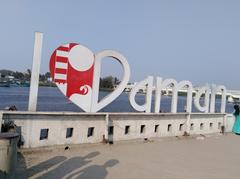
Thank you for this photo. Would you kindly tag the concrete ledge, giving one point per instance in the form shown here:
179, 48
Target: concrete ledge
41, 129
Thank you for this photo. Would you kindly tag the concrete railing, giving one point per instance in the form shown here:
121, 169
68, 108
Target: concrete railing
62, 128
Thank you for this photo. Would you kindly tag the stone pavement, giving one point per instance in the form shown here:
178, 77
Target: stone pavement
213, 157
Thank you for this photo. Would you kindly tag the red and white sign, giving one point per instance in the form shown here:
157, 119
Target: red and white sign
75, 70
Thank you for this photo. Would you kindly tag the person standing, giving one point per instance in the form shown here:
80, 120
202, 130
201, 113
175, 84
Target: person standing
236, 126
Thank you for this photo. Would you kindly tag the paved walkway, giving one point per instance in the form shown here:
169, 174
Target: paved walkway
211, 157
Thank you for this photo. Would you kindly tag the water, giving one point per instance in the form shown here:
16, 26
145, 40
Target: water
51, 99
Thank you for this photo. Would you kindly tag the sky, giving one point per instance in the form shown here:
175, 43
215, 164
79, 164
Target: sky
190, 40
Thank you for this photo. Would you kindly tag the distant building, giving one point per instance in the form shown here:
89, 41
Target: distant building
9, 77
49, 79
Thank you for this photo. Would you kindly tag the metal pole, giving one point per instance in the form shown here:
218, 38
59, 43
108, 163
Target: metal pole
32, 104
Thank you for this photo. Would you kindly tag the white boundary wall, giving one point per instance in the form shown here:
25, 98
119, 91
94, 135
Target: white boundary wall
153, 125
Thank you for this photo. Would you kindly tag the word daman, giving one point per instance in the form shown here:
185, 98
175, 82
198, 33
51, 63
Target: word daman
76, 71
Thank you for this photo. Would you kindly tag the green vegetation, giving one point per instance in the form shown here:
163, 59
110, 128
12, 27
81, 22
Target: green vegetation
16, 78
108, 83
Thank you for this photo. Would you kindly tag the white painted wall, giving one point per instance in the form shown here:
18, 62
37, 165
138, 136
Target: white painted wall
57, 122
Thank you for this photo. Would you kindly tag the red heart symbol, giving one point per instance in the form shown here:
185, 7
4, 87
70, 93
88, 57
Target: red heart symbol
76, 72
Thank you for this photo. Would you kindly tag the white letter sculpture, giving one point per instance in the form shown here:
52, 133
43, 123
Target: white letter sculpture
76, 71
179, 86
175, 88
214, 91
158, 93
205, 108
147, 83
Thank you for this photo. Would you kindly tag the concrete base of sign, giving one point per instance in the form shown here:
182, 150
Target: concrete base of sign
40, 129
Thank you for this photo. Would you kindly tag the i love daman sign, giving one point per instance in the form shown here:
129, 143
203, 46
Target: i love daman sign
76, 71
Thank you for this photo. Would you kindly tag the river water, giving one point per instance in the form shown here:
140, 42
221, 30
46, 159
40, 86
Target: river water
51, 99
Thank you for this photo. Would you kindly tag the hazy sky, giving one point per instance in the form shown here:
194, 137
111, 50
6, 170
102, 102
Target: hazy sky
186, 40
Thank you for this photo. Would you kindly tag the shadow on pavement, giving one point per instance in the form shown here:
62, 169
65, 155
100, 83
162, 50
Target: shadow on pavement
2, 174
45, 165
22, 171
94, 171
69, 166
63, 167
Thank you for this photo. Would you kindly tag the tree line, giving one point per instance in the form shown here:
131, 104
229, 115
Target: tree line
23, 76
108, 82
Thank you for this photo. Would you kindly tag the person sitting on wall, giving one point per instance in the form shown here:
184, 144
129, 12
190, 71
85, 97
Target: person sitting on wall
236, 126
11, 108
